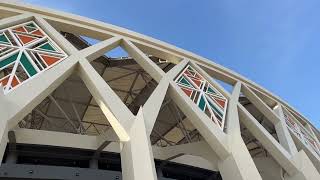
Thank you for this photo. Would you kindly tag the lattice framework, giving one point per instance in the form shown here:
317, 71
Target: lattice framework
120, 118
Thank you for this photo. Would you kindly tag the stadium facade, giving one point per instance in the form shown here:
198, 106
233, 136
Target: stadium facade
70, 110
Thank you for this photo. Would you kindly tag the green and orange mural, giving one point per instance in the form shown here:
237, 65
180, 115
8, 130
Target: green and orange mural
202, 93
26, 51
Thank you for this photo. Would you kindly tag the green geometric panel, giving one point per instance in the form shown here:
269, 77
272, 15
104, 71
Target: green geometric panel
210, 90
8, 60
47, 46
4, 39
214, 108
27, 65
202, 103
184, 81
31, 25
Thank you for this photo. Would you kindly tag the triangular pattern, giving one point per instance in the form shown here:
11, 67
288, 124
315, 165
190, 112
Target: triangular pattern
37, 33
187, 91
221, 102
8, 60
24, 39
4, 39
20, 29
50, 60
28, 47
31, 25
46, 47
201, 92
185, 82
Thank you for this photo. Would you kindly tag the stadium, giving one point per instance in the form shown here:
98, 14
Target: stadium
69, 110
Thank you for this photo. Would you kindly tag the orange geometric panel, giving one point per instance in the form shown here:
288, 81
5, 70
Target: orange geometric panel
49, 59
25, 39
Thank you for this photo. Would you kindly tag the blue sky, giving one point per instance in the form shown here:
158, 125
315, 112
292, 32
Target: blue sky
274, 43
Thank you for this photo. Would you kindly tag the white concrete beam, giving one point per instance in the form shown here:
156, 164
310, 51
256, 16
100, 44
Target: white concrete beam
61, 139
97, 50
232, 122
259, 104
30, 94
143, 60
201, 149
267, 140
283, 133
157, 51
152, 107
14, 20
177, 69
56, 36
118, 115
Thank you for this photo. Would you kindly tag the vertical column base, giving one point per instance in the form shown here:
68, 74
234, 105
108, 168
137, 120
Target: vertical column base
136, 155
306, 169
239, 165
94, 164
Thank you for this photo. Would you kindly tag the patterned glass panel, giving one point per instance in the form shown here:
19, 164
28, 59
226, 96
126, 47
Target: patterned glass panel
26, 51
301, 132
203, 94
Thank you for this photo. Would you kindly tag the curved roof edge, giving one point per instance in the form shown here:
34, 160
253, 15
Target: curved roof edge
24, 7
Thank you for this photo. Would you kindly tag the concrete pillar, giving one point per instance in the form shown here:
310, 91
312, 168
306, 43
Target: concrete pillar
94, 163
239, 164
283, 133
136, 154
11, 158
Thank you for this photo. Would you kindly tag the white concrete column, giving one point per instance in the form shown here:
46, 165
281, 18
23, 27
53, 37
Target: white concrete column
136, 154
283, 133
239, 164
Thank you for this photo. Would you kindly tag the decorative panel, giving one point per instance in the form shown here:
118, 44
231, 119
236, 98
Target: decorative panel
305, 136
25, 52
203, 94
